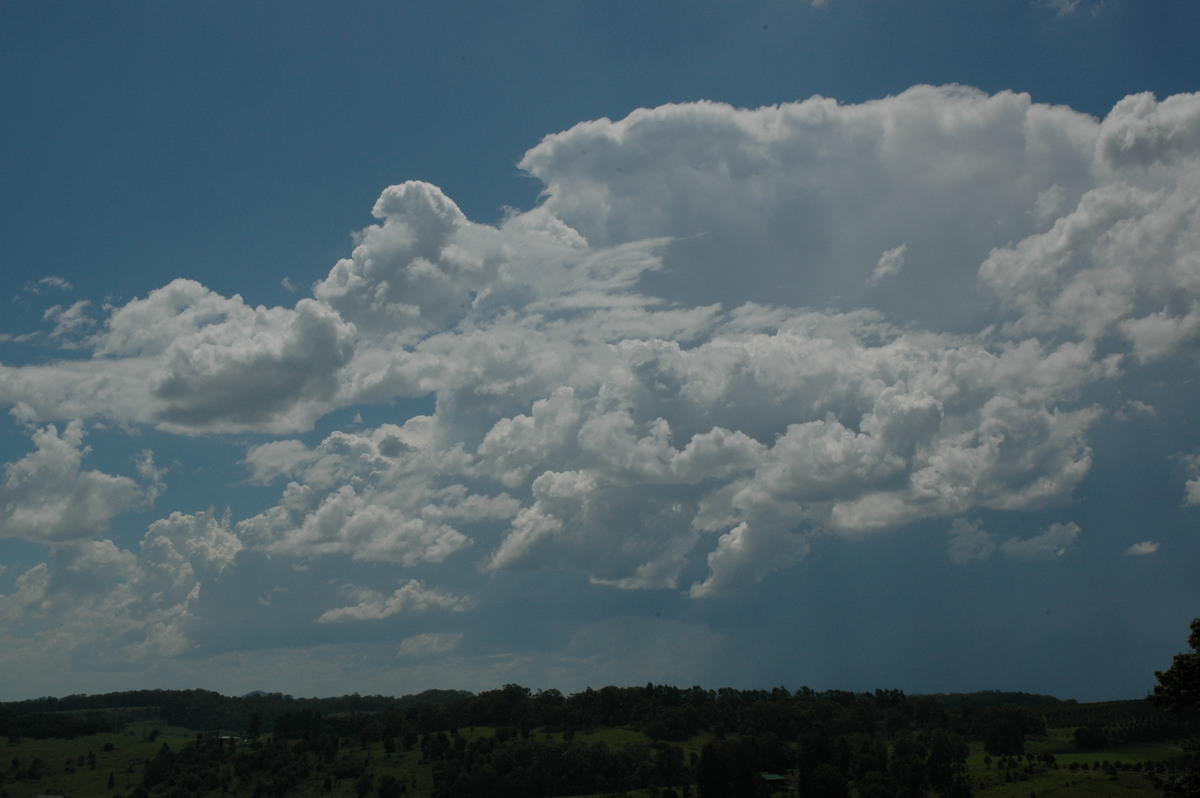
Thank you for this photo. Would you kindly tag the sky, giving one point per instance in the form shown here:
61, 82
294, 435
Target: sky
386, 346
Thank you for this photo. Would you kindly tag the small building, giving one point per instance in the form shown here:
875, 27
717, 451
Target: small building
777, 784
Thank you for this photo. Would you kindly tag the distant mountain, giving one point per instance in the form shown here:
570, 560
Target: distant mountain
255, 694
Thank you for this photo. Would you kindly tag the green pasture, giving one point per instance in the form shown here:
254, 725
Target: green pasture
66, 765
990, 781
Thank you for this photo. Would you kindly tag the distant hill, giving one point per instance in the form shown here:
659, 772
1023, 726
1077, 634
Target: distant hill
997, 698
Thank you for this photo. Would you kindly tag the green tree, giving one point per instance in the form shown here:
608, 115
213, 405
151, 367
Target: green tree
1178, 688
254, 727
389, 787
1178, 691
1091, 738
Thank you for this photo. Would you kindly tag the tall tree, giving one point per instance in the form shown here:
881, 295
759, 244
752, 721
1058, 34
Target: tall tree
1178, 690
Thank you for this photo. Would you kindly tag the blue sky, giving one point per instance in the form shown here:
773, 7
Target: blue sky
391, 346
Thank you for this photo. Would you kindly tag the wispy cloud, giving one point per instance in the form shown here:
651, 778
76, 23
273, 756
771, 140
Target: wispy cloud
412, 597
429, 644
1068, 7
50, 281
1053, 542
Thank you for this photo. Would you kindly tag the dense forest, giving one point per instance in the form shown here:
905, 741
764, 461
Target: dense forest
657, 741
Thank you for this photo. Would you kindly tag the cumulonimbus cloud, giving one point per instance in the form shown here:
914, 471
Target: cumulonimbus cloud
720, 336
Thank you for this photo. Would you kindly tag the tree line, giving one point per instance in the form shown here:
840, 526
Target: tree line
691, 742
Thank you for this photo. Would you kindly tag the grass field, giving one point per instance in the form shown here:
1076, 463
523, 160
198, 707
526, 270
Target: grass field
66, 774
67, 764
82, 766
1062, 781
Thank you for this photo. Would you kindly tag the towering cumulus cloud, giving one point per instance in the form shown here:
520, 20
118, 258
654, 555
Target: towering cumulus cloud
722, 336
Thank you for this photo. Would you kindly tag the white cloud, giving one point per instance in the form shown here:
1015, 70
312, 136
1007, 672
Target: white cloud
94, 605
378, 496
683, 352
412, 597
46, 496
1123, 262
1068, 7
262, 368
803, 197
428, 644
49, 281
1134, 408
619, 457
889, 265
1142, 549
29, 594
98, 606
426, 267
1054, 541
968, 541
1191, 488
189, 547
408, 271
69, 321
191, 361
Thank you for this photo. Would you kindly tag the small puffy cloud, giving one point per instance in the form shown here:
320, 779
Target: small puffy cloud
1191, 488
1142, 549
49, 281
69, 321
189, 546
413, 597
46, 496
968, 541
890, 263
1134, 408
1053, 542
